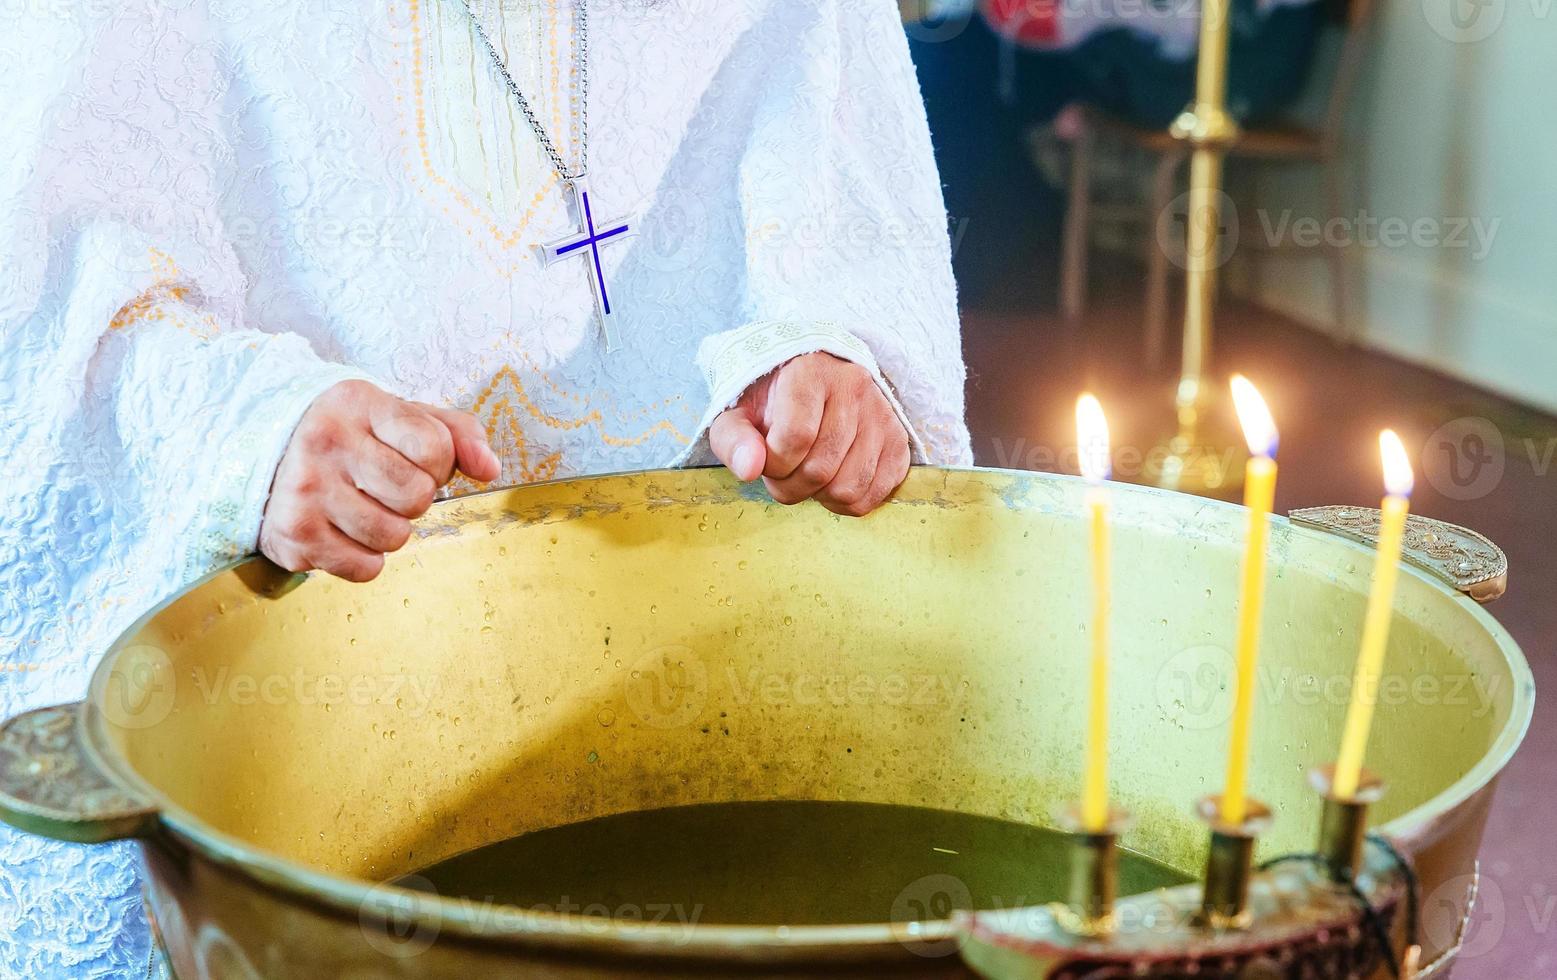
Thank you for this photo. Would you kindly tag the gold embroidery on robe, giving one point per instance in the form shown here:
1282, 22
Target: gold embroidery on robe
510, 415
469, 150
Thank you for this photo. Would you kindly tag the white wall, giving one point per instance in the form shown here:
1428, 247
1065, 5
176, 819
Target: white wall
1445, 133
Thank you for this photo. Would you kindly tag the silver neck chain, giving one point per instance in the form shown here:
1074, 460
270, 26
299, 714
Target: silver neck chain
581, 13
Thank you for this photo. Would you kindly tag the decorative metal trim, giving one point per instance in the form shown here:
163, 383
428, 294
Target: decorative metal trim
1301, 926
1446, 958
1465, 559
49, 785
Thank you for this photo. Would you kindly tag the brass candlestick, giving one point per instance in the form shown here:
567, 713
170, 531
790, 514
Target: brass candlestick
1197, 453
1230, 864
1343, 828
1094, 873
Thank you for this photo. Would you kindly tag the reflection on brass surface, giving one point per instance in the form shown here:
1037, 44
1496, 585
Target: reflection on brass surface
1211, 126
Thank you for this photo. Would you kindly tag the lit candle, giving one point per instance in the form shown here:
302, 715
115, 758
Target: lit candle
1093, 455
1375, 627
1259, 494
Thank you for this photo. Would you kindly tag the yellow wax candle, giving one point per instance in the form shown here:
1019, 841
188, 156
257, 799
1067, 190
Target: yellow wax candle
1375, 627
1093, 452
1259, 495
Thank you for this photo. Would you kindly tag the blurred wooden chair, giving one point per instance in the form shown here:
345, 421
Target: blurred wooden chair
1284, 143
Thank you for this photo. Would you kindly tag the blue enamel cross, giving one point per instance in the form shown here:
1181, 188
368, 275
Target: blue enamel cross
588, 242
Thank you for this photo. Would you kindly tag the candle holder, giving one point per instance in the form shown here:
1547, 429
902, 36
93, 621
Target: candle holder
1094, 873
1230, 863
1343, 827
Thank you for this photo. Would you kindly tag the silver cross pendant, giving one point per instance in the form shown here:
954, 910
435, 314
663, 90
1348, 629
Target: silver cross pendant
587, 243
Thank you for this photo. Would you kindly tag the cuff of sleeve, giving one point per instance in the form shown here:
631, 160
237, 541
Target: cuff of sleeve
269, 414
732, 360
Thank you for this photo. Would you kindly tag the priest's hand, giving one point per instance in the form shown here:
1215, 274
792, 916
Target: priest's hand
817, 427
359, 466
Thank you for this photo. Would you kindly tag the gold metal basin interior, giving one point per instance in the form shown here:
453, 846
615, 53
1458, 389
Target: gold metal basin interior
552, 653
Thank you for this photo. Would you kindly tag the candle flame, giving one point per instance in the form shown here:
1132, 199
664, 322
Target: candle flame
1092, 439
1259, 429
1398, 478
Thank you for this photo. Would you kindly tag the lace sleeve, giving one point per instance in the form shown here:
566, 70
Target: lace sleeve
842, 210
126, 359
140, 418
